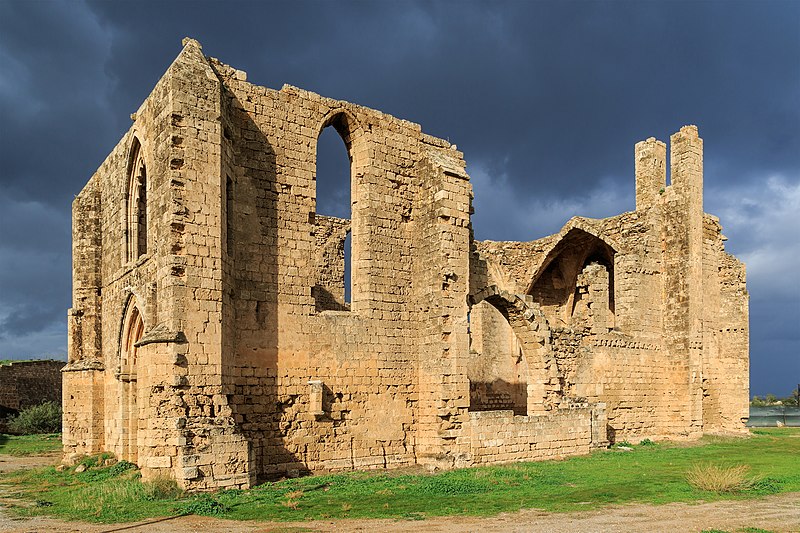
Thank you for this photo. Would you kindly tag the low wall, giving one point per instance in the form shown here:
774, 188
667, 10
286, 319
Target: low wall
502, 437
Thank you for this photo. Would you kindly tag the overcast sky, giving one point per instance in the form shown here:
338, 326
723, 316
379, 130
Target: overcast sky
546, 100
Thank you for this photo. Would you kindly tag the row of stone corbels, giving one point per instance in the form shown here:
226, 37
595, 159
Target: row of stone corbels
196, 447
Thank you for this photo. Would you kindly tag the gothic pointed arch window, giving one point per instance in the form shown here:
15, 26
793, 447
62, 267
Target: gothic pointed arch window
136, 205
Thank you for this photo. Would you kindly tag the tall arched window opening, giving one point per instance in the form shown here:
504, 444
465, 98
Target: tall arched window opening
136, 230
332, 219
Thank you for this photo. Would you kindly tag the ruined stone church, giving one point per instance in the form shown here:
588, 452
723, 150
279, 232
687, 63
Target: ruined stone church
210, 338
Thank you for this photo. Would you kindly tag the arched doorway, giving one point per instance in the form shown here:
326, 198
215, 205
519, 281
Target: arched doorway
525, 362
133, 329
497, 369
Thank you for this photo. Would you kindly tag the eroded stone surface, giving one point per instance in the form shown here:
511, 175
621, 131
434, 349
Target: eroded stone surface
210, 337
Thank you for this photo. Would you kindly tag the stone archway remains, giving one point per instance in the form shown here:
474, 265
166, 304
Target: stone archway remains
544, 381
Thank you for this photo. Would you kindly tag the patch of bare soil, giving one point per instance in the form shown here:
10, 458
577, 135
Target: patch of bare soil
9, 463
779, 513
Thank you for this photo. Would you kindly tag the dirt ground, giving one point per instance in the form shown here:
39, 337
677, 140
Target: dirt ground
779, 512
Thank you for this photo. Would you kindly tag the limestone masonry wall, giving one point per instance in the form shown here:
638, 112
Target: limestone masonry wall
212, 339
28, 383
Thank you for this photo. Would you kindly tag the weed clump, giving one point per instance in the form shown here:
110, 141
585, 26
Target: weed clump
715, 478
43, 418
119, 467
451, 485
203, 505
161, 488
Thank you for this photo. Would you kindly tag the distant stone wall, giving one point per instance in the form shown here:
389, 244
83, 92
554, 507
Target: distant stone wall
27, 383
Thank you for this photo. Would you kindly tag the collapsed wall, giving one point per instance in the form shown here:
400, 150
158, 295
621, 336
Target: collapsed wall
647, 311
211, 337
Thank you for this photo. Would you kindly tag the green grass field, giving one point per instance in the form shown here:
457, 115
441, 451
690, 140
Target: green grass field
29, 444
648, 474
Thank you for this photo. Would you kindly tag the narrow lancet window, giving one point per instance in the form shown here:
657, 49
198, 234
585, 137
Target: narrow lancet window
332, 219
136, 231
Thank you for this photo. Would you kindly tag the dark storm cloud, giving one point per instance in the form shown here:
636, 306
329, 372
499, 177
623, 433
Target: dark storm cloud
54, 128
545, 99
554, 95
53, 99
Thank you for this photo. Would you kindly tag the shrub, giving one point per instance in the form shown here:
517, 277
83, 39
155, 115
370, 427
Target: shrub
120, 467
647, 442
715, 478
43, 418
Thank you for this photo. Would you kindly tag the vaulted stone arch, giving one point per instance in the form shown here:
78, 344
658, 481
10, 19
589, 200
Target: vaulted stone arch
553, 284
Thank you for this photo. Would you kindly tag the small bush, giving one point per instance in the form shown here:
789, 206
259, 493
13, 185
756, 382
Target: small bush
715, 478
647, 442
120, 467
43, 418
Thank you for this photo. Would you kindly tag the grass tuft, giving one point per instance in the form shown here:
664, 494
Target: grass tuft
721, 479
161, 488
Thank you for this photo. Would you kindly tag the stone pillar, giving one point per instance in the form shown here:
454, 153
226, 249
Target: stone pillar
203, 446
593, 282
83, 376
441, 274
682, 232
650, 158
82, 405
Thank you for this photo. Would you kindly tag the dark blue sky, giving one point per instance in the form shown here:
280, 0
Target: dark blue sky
545, 99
